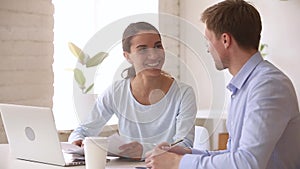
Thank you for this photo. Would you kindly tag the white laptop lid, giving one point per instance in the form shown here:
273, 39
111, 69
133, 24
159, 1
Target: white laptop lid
32, 134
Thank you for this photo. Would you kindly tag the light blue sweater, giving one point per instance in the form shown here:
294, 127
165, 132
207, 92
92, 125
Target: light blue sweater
170, 119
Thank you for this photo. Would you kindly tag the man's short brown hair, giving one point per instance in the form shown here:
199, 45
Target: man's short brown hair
236, 17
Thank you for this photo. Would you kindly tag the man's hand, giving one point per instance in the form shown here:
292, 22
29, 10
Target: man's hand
174, 149
161, 159
179, 150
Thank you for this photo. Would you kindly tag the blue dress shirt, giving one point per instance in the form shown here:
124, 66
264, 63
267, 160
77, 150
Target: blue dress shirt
263, 123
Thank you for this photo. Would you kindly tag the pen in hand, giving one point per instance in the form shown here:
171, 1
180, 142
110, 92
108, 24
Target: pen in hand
168, 147
176, 142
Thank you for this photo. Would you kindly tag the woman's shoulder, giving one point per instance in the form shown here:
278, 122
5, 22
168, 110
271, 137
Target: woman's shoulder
182, 85
182, 88
116, 86
120, 84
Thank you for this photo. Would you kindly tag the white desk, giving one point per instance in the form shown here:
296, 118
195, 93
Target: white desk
8, 162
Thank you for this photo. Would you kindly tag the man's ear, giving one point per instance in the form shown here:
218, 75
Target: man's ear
127, 57
226, 38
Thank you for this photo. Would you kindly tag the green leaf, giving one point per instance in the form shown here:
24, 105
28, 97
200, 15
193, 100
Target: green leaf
263, 54
262, 47
97, 59
89, 88
80, 55
79, 77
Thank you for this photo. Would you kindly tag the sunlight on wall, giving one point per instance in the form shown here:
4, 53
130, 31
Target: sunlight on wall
77, 21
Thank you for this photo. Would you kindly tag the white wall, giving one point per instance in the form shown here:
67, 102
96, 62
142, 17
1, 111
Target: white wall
281, 32
79, 22
26, 35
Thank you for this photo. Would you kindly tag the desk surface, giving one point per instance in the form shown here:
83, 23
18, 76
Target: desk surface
8, 162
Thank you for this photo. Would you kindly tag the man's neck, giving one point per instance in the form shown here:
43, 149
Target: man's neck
239, 60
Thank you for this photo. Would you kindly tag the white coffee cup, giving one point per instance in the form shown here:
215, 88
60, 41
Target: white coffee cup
95, 151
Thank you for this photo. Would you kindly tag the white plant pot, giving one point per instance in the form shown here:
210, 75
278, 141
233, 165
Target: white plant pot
83, 104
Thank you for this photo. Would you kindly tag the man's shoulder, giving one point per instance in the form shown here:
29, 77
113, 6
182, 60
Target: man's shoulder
267, 73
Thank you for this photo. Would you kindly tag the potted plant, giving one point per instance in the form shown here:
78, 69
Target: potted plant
261, 49
85, 60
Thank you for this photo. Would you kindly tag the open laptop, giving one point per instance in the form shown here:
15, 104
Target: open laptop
32, 135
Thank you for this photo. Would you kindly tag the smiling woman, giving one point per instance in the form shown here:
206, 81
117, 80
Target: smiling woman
93, 15
151, 105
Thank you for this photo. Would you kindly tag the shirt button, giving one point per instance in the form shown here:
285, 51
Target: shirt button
233, 96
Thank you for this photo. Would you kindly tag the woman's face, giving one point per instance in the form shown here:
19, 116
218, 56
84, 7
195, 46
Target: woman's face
146, 53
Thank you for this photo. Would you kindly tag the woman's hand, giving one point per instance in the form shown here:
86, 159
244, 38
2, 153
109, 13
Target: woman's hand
78, 143
132, 150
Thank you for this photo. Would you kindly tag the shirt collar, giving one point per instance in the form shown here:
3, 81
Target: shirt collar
239, 80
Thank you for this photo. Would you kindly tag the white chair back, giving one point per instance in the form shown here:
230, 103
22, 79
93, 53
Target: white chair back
201, 140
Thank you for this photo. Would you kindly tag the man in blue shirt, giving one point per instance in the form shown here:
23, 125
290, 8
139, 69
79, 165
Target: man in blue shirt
263, 117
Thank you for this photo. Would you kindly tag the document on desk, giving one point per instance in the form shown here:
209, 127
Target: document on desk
72, 152
71, 148
114, 142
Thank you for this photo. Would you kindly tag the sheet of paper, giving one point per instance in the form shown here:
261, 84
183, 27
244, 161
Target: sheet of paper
71, 148
114, 142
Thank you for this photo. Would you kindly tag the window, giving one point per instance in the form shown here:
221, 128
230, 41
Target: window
77, 21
